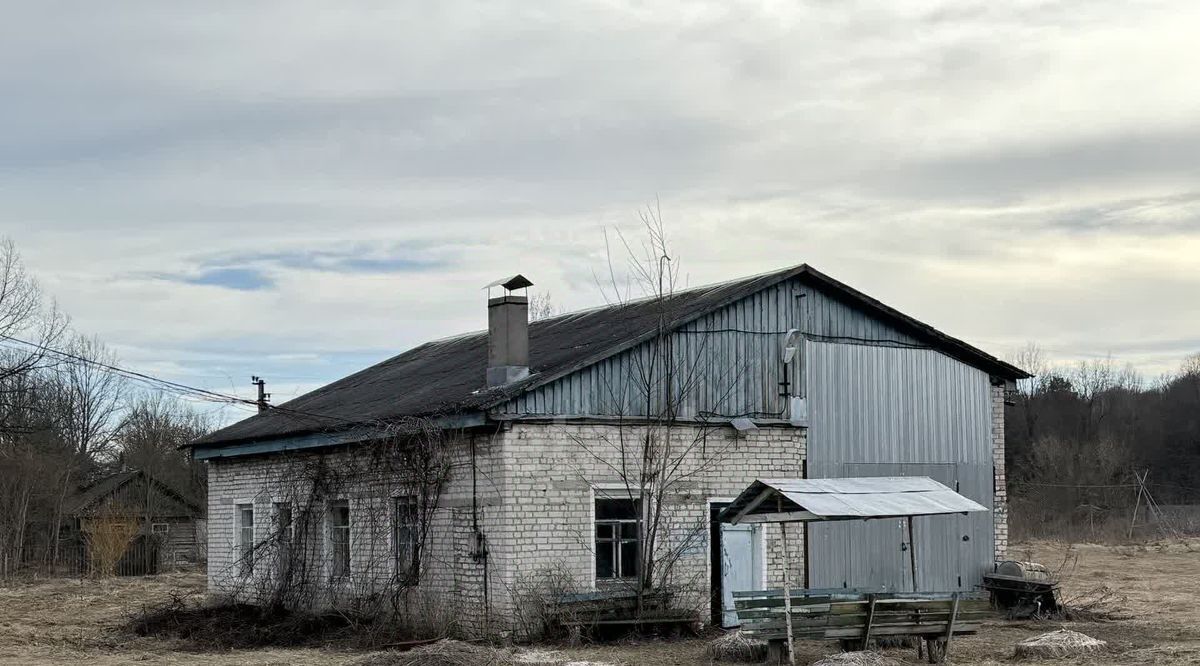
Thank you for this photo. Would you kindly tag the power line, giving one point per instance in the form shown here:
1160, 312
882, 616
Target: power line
168, 385
136, 376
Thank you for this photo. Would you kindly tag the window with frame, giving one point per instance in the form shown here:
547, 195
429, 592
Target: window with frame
405, 539
338, 523
160, 529
284, 530
618, 538
245, 538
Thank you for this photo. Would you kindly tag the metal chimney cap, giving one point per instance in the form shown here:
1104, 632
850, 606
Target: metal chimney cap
517, 281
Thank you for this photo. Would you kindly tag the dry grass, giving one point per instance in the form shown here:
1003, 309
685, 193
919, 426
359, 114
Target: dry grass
109, 535
1058, 644
77, 621
457, 653
857, 659
737, 647
441, 653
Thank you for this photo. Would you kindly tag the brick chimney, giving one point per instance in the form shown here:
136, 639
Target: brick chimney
508, 333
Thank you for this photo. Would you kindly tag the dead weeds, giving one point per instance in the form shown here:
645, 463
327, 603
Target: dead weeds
83, 621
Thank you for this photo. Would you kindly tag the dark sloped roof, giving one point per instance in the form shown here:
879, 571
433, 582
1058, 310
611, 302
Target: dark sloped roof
101, 488
108, 486
447, 376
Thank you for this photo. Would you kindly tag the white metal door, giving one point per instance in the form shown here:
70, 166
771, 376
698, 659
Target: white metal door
741, 566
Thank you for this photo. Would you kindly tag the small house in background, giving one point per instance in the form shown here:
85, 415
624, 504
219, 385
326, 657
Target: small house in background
159, 526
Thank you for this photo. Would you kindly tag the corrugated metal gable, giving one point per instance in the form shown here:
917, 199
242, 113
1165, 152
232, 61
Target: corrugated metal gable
727, 363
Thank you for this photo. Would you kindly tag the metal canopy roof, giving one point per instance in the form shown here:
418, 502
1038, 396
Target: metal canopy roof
804, 500
513, 283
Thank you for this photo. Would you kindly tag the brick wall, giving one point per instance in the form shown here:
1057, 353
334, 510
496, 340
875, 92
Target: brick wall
1000, 489
449, 574
554, 471
533, 489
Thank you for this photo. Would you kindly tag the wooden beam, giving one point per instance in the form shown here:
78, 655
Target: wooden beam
752, 505
787, 586
785, 517
870, 618
950, 627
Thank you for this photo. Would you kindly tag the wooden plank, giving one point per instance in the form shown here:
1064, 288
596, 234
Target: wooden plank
859, 592
939, 619
950, 629
787, 592
922, 630
904, 605
753, 613
867, 630
780, 635
825, 634
878, 621
769, 603
840, 634
648, 620
937, 625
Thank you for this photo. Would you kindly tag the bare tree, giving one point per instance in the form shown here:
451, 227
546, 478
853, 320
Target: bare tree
151, 437
654, 454
88, 399
30, 446
91, 397
542, 306
1080, 440
25, 316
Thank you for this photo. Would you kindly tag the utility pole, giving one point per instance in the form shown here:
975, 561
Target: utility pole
263, 396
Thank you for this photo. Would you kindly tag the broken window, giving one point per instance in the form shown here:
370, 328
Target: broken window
404, 539
245, 538
618, 538
338, 520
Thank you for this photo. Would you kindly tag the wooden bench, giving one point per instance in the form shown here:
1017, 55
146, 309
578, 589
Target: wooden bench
854, 618
586, 612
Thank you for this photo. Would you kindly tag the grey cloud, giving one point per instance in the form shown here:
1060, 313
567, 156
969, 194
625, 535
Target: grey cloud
1011, 174
416, 257
320, 157
239, 279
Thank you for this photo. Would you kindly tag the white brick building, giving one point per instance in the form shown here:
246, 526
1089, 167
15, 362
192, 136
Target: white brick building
543, 428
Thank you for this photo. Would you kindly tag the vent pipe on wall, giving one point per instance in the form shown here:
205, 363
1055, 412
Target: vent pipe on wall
508, 332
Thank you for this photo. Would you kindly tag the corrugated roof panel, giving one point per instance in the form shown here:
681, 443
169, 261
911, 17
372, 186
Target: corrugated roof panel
851, 498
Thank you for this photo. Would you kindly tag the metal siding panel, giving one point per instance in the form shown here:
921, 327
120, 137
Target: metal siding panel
741, 371
938, 537
877, 559
888, 405
977, 554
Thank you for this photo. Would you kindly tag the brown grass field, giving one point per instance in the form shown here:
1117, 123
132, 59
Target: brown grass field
77, 621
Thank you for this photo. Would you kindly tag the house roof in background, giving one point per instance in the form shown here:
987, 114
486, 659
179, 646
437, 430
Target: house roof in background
89, 497
447, 376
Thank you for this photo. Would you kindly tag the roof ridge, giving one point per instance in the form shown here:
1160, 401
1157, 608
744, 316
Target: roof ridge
673, 293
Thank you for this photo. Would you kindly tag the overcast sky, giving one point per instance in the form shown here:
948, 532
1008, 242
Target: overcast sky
300, 189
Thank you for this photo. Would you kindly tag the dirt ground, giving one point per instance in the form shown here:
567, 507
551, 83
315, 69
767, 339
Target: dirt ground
72, 621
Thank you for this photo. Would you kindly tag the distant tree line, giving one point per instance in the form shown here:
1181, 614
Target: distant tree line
1079, 439
66, 420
